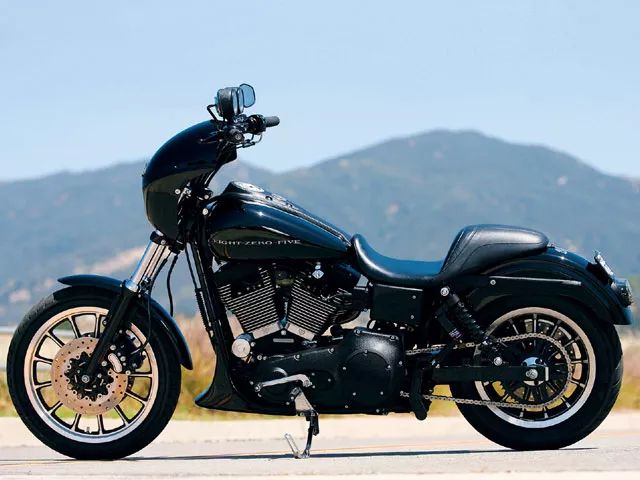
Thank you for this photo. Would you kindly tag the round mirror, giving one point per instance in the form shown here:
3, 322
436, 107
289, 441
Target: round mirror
248, 95
229, 102
237, 103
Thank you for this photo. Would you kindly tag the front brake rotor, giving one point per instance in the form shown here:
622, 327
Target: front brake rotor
74, 396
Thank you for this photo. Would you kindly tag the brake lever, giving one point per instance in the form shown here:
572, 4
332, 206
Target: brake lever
235, 135
235, 132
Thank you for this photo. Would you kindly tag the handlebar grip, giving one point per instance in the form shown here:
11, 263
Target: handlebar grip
271, 121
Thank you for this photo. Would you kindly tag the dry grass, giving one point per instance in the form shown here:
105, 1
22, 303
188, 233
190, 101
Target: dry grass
630, 395
198, 379
6, 407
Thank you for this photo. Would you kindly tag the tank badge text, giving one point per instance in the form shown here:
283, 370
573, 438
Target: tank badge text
257, 243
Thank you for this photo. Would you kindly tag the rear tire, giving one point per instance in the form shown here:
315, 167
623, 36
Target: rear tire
72, 440
505, 428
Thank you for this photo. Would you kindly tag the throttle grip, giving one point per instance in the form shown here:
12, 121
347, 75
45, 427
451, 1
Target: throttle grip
271, 121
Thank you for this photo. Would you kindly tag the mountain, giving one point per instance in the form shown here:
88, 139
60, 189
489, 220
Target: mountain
409, 196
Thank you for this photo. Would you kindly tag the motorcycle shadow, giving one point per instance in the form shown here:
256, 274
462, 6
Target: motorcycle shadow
287, 455
338, 455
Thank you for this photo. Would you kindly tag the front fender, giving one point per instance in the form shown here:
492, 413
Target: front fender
583, 284
167, 323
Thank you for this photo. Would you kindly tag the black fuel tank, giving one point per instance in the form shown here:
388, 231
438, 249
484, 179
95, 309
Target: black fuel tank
246, 222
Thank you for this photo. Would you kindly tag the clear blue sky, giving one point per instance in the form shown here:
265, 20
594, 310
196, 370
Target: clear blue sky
87, 84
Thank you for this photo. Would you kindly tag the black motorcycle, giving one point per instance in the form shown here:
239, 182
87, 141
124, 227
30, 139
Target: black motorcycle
521, 331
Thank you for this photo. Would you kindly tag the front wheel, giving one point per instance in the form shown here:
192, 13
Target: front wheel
113, 415
585, 350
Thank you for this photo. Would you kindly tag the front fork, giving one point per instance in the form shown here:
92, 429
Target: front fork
138, 284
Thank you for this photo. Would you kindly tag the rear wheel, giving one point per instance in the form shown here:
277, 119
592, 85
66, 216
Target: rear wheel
113, 415
584, 357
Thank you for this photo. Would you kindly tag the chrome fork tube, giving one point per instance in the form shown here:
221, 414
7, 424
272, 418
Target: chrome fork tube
156, 253
140, 281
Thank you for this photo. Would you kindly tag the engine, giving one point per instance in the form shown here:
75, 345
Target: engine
362, 371
272, 298
249, 293
284, 311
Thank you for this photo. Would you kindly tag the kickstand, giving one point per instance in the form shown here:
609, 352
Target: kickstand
303, 407
314, 429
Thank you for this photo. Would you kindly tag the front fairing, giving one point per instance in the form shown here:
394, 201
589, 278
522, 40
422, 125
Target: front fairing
192, 154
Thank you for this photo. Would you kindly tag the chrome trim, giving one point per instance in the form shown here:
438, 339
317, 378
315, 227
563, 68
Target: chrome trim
300, 377
558, 281
241, 346
302, 403
599, 259
148, 266
266, 330
300, 331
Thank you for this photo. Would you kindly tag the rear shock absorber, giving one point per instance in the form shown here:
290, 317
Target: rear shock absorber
463, 318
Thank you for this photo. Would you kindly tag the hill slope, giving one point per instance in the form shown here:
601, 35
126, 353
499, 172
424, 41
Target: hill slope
409, 196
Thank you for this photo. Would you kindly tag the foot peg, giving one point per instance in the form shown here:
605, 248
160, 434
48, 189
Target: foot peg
303, 407
303, 379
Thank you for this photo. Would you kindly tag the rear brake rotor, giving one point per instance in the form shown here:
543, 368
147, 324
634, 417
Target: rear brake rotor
73, 396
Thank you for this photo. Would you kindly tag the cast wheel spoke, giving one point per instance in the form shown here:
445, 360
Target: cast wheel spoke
50, 335
96, 328
556, 325
515, 329
567, 354
54, 407
40, 386
74, 326
576, 382
101, 428
137, 397
91, 421
121, 414
41, 359
76, 422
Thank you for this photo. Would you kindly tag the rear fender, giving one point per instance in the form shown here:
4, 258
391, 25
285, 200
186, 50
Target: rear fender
570, 276
166, 321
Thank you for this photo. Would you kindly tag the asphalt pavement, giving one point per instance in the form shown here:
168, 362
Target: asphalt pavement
392, 447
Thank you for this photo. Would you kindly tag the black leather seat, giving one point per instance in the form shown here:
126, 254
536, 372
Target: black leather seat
475, 248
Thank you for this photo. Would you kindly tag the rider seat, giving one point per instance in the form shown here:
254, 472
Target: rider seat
474, 249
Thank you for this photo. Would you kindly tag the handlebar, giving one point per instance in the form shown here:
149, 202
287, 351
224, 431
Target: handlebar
271, 122
258, 124
235, 131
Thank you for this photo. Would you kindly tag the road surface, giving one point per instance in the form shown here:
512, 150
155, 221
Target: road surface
393, 447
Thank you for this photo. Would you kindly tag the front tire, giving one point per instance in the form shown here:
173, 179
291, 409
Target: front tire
596, 362
130, 410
